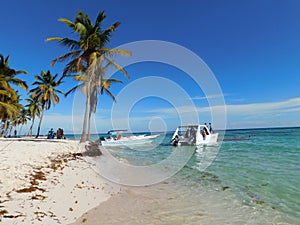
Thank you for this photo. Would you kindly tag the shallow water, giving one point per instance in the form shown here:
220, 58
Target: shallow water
254, 179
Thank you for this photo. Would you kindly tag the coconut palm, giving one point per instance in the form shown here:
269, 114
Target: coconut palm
45, 92
99, 87
9, 117
9, 98
23, 118
9, 73
86, 53
34, 109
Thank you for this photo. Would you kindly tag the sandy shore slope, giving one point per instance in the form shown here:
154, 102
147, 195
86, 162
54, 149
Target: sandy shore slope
47, 182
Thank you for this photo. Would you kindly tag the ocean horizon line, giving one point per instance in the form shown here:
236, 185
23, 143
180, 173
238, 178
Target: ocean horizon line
169, 131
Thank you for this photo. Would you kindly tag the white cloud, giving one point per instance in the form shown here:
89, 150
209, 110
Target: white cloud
265, 108
282, 113
268, 114
208, 97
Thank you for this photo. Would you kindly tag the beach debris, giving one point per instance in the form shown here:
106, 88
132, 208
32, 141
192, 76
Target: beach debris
12, 216
92, 149
259, 202
38, 197
26, 198
32, 188
225, 187
2, 212
40, 215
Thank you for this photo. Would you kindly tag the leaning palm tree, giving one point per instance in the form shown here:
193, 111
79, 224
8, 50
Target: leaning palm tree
86, 52
34, 109
46, 93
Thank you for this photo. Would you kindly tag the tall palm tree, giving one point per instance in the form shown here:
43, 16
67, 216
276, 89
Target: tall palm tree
34, 108
86, 53
46, 92
99, 87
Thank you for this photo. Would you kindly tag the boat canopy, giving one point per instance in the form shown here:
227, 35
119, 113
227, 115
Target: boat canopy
116, 131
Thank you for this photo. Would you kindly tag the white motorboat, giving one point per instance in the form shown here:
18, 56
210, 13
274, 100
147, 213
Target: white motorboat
193, 135
116, 138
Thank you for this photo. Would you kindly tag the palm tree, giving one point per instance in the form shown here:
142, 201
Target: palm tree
9, 98
99, 87
9, 117
88, 53
45, 92
24, 116
34, 109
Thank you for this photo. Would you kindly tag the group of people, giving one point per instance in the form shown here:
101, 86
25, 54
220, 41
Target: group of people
205, 132
190, 134
59, 134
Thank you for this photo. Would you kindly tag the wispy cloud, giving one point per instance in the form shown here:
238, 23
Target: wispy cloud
208, 97
244, 115
290, 105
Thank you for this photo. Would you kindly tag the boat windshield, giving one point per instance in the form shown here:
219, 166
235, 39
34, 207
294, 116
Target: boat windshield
115, 133
187, 130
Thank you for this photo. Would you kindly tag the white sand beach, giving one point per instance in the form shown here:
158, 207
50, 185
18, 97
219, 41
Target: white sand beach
47, 182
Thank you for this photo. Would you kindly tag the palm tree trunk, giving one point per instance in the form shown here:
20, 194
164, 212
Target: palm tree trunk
90, 74
10, 129
89, 125
20, 129
5, 128
30, 129
40, 123
85, 120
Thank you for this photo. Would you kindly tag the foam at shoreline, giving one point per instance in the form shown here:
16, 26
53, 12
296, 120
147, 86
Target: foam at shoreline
176, 202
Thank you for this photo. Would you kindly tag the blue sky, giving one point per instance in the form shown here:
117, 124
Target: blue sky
252, 48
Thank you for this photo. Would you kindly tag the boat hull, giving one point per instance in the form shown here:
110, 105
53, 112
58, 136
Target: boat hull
193, 135
131, 140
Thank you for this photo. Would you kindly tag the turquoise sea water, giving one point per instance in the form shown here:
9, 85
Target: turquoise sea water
263, 171
254, 179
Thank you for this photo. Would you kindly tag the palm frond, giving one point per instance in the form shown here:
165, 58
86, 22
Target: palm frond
81, 78
116, 51
10, 107
101, 16
21, 72
74, 89
67, 22
110, 94
66, 56
54, 39
118, 67
20, 83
